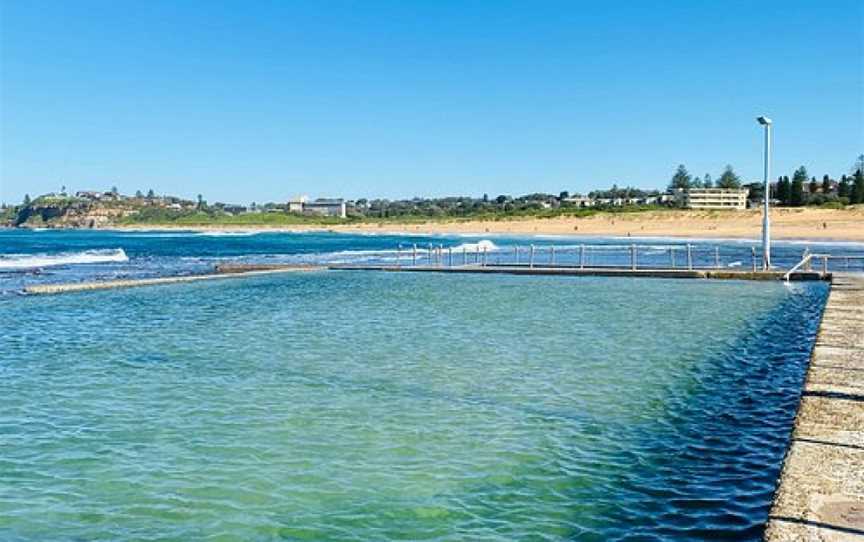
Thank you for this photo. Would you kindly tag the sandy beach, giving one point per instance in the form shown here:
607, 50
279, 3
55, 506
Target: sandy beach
787, 223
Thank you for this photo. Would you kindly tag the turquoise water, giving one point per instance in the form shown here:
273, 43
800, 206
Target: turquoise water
374, 406
51, 256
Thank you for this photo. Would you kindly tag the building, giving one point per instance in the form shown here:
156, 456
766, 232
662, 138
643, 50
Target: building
88, 194
579, 201
321, 206
295, 205
666, 199
716, 198
326, 207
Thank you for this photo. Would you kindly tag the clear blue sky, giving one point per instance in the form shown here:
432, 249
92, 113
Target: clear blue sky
257, 101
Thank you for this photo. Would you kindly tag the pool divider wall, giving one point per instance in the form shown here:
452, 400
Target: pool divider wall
820, 492
230, 270
221, 273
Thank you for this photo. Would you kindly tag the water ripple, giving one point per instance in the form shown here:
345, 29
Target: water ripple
341, 406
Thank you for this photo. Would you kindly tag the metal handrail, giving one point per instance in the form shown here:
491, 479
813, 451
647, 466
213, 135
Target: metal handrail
824, 257
557, 256
804, 261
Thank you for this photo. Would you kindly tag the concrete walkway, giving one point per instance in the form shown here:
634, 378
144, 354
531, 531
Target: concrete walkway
820, 496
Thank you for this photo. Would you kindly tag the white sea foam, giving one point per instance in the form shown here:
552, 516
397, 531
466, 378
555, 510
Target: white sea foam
220, 233
29, 261
485, 244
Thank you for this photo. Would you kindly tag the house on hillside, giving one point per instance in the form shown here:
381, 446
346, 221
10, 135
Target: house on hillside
321, 206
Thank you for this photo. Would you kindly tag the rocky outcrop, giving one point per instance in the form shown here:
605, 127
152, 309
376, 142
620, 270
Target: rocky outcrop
71, 213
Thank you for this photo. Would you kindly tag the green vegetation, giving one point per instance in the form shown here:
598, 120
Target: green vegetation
100, 209
801, 190
213, 217
159, 216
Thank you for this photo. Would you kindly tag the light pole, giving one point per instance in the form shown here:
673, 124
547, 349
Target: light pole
766, 222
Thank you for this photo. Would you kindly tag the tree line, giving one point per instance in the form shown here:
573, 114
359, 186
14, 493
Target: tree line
682, 180
801, 190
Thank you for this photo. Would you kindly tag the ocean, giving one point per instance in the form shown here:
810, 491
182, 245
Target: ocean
30, 257
340, 405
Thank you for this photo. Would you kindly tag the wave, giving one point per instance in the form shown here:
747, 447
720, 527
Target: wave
187, 233
28, 261
220, 233
484, 245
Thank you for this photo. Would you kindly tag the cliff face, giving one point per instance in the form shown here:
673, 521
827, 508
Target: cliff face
70, 213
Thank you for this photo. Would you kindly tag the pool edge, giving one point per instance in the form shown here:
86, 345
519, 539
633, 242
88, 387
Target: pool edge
820, 490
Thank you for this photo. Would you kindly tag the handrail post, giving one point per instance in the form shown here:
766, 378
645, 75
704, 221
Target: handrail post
672, 256
581, 256
399, 255
717, 257
464, 256
414, 255
552, 255
531, 258
516, 252
824, 265
450, 256
689, 257
477, 255
806, 256
753, 257
632, 256
484, 256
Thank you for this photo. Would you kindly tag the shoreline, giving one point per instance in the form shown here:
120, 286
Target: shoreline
790, 224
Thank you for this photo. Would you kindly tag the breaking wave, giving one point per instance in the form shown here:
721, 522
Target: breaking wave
485, 244
27, 261
221, 233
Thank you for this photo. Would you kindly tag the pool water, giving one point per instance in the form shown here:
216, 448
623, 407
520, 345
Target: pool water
342, 405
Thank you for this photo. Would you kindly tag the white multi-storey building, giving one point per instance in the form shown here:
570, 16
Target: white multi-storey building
716, 198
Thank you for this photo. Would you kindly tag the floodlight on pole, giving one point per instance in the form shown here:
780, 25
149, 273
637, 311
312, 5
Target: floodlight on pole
766, 222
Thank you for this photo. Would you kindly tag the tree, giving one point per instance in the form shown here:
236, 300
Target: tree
114, 190
681, 179
63, 190
563, 195
728, 179
26, 200
757, 191
151, 194
201, 202
799, 179
826, 185
858, 188
800, 175
783, 190
796, 193
707, 181
697, 182
859, 164
813, 187
844, 188
139, 194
